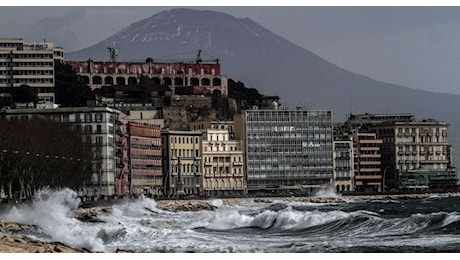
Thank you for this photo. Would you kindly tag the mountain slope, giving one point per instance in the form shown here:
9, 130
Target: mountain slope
261, 59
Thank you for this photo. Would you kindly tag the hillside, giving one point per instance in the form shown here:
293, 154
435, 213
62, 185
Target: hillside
275, 66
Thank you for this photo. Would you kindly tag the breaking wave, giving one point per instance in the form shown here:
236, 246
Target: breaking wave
139, 225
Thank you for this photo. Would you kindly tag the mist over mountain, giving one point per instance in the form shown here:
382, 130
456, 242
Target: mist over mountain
275, 66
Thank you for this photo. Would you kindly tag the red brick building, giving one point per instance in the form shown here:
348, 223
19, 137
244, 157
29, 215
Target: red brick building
175, 75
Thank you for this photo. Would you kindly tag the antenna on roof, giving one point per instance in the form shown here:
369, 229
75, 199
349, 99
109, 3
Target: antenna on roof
113, 52
198, 59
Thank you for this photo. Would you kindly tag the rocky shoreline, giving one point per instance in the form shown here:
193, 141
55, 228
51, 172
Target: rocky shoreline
13, 240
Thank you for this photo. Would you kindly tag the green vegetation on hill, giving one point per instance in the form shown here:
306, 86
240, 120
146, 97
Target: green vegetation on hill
69, 90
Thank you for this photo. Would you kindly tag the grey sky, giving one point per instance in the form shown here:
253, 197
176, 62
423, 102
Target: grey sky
417, 47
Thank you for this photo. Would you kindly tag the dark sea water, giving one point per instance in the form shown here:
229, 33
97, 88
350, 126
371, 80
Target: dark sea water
357, 226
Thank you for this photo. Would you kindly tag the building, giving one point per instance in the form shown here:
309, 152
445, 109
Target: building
121, 158
416, 156
223, 164
286, 150
367, 162
182, 163
97, 127
343, 180
31, 64
145, 153
194, 78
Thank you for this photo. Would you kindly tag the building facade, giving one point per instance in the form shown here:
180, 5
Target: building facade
416, 155
31, 64
182, 170
193, 78
97, 128
223, 164
145, 153
286, 150
367, 162
343, 165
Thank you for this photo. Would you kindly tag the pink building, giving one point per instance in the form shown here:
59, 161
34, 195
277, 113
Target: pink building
145, 159
367, 162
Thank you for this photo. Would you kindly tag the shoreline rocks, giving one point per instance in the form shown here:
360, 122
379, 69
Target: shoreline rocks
13, 240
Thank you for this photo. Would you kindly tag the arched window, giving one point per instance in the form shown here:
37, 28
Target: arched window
132, 81
178, 81
216, 81
121, 81
108, 81
205, 82
194, 82
167, 81
97, 80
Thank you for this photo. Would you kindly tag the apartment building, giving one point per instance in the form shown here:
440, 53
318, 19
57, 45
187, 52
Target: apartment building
32, 64
97, 127
223, 164
286, 150
416, 155
145, 152
367, 162
182, 170
343, 180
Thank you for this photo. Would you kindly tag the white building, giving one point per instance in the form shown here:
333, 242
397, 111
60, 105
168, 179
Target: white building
97, 127
29, 64
223, 164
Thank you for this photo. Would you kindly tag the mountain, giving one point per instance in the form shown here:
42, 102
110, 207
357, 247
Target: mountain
275, 66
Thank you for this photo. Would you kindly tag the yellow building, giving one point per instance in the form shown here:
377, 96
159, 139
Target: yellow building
182, 163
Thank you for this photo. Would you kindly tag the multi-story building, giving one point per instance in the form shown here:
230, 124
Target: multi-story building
367, 162
343, 164
214, 124
182, 163
222, 160
31, 64
416, 155
121, 158
97, 127
145, 153
182, 77
286, 150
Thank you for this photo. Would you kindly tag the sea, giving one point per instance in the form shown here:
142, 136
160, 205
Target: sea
430, 225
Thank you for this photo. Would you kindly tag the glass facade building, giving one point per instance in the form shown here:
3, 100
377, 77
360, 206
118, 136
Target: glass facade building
288, 149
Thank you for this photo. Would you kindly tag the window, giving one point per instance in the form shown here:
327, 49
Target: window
99, 117
87, 118
88, 129
99, 141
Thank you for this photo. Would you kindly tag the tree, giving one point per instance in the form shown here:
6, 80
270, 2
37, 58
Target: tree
24, 94
69, 90
40, 153
245, 97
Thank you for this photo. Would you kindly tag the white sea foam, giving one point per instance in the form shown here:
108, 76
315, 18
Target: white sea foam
327, 192
50, 211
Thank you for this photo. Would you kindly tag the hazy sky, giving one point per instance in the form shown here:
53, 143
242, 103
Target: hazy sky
417, 47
